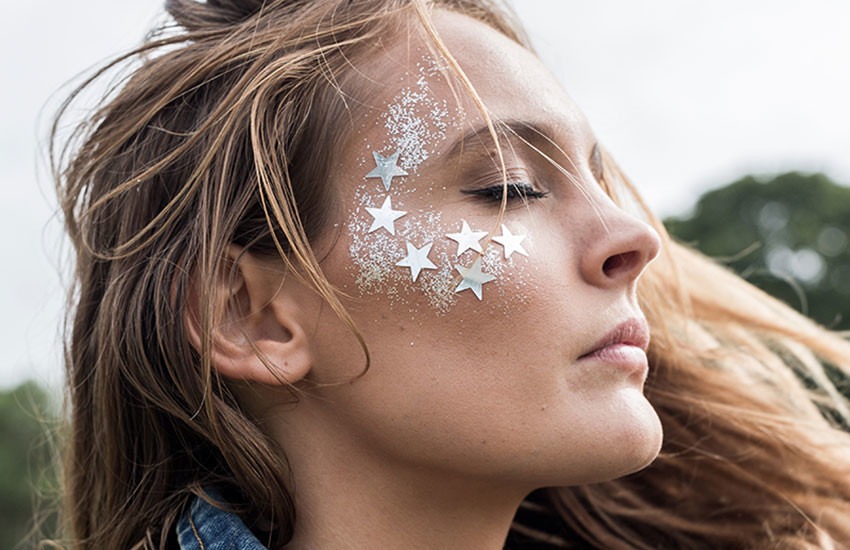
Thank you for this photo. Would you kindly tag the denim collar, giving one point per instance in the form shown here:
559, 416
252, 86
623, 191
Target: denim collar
205, 527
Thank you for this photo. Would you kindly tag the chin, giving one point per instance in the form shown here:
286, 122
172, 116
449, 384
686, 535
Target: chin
640, 439
627, 444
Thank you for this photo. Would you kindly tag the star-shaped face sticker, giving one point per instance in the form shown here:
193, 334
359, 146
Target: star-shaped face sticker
467, 239
385, 216
386, 168
473, 278
417, 260
510, 242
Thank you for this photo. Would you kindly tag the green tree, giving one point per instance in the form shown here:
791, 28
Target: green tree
787, 234
24, 459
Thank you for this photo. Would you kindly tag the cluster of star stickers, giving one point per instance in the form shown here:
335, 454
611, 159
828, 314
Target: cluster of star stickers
472, 277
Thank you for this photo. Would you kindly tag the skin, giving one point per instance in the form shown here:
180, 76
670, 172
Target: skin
460, 415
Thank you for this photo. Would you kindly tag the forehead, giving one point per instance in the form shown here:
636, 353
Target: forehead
510, 80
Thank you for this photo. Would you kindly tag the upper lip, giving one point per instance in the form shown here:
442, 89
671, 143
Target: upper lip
632, 332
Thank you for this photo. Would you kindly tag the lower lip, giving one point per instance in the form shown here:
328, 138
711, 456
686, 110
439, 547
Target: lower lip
631, 358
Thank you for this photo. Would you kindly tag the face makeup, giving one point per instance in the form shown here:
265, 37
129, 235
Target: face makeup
393, 251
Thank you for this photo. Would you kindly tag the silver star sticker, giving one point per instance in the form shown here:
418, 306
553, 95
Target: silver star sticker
386, 168
417, 260
511, 242
385, 216
473, 277
467, 239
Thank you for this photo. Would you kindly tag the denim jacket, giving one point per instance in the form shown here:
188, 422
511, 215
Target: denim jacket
205, 527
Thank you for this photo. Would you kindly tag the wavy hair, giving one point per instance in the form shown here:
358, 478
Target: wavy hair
212, 134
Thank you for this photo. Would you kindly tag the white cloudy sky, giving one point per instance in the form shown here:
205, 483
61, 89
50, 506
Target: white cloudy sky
687, 94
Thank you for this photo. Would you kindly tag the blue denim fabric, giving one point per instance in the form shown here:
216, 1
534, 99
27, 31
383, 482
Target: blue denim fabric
205, 527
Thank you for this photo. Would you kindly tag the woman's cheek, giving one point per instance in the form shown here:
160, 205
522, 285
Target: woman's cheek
412, 240
411, 255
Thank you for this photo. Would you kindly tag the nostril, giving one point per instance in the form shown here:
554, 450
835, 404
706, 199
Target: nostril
620, 263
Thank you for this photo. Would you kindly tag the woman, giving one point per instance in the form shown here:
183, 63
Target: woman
351, 274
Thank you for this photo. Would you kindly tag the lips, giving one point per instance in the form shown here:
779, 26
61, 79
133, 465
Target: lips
627, 342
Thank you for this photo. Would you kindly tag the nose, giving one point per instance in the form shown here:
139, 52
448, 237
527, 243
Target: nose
619, 247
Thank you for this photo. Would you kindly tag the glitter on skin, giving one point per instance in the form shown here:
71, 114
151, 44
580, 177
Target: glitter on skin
473, 278
416, 122
417, 259
385, 216
467, 239
386, 168
511, 243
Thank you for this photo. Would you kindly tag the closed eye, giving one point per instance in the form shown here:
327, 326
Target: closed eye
515, 190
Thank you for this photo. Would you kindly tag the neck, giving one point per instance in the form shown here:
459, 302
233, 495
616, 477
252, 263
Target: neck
355, 517
347, 497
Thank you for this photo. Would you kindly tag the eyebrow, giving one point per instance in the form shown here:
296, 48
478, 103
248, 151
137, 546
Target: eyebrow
480, 137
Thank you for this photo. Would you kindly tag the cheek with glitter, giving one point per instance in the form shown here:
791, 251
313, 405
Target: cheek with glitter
405, 253
416, 120
404, 262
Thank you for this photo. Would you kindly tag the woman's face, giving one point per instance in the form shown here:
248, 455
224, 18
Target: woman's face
523, 362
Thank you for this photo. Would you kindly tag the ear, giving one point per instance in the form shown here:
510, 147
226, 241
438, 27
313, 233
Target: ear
257, 326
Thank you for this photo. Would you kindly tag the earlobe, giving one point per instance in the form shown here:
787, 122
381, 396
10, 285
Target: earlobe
256, 330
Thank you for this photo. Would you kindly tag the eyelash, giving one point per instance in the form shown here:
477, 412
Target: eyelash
516, 190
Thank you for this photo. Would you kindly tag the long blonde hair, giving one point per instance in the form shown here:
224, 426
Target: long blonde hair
214, 138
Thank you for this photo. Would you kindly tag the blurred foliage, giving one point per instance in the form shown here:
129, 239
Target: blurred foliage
787, 235
25, 462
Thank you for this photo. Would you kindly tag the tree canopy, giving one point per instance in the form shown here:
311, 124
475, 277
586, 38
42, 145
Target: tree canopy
25, 466
787, 234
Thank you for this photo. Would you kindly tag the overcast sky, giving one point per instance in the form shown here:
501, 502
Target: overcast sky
687, 94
